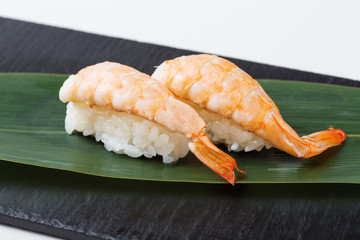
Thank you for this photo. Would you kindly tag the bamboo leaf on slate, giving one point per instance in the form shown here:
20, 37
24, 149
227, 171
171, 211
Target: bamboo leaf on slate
32, 132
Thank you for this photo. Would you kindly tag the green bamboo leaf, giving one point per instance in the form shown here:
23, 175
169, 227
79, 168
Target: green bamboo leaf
32, 132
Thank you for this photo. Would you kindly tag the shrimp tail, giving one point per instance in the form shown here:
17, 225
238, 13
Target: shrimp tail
214, 158
323, 140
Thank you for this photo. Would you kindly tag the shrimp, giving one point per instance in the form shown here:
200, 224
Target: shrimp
124, 89
219, 86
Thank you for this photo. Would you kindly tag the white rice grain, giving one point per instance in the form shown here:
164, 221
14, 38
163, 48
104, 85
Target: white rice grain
227, 131
124, 133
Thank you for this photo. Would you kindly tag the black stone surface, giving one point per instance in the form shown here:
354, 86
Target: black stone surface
78, 206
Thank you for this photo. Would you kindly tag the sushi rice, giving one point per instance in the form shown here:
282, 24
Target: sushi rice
124, 133
223, 130
134, 136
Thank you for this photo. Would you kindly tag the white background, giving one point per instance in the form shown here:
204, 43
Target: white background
321, 36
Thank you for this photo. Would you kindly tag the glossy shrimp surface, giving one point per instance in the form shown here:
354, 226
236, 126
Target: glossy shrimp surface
125, 89
220, 86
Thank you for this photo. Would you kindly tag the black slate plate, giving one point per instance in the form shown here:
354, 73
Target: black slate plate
77, 206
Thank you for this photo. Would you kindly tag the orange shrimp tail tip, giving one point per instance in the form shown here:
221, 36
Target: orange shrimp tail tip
324, 140
327, 138
214, 158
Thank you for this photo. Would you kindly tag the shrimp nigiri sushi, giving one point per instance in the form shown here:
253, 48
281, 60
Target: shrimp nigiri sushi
236, 109
133, 114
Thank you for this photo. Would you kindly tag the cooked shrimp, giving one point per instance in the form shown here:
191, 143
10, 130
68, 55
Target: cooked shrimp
125, 89
219, 86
